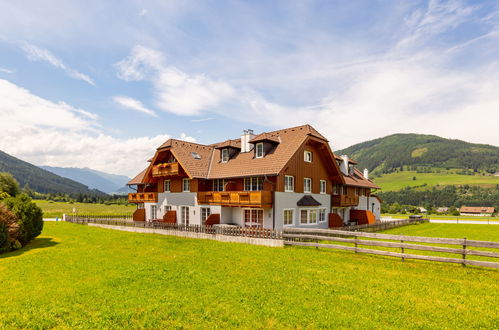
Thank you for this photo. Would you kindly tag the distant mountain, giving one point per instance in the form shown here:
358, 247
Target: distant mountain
390, 153
109, 183
41, 180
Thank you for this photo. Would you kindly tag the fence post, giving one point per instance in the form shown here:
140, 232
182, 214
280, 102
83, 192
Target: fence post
402, 249
355, 243
464, 252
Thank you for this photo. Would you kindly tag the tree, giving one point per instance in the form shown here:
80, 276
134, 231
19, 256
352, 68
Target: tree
29, 215
9, 230
8, 184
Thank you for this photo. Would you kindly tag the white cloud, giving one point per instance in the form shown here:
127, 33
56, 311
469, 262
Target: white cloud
35, 53
176, 91
4, 70
201, 120
44, 132
187, 138
133, 104
142, 12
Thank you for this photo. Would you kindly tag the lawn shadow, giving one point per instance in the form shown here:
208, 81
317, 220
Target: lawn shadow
37, 243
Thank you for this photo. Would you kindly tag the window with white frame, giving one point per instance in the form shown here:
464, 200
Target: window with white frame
253, 184
166, 185
186, 185
205, 213
323, 186
153, 212
289, 183
307, 185
336, 189
259, 150
308, 216
225, 155
308, 156
288, 217
219, 185
253, 217
184, 215
168, 208
322, 215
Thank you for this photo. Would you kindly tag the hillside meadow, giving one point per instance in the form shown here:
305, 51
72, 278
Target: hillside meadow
399, 180
57, 209
75, 276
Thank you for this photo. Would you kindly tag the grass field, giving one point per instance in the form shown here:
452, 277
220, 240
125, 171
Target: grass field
85, 277
56, 209
442, 217
399, 180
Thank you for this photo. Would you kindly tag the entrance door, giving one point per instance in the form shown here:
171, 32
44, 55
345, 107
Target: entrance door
253, 218
184, 215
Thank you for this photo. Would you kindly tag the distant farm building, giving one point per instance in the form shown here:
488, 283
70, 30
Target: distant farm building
476, 210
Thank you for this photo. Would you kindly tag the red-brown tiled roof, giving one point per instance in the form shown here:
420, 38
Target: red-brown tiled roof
236, 144
138, 178
265, 137
357, 179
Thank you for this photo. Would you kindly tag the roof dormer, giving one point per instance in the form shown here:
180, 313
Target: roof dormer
264, 144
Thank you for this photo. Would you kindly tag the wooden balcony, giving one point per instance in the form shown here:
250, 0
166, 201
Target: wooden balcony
345, 200
262, 199
147, 197
165, 169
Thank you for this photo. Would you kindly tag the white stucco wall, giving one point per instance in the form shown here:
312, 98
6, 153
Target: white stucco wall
288, 200
371, 204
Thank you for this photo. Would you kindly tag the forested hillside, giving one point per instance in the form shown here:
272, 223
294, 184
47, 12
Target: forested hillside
43, 181
410, 151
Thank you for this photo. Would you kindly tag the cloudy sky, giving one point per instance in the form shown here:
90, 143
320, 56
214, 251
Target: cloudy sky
101, 84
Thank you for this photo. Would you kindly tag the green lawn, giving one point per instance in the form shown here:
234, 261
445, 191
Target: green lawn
56, 209
475, 232
87, 277
399, 180
442, 217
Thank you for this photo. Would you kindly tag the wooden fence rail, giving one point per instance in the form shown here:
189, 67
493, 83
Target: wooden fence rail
215, 230
382, 225
315, 237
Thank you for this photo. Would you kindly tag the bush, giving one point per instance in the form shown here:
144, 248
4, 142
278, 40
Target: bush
29, 215
8, 184
9, 229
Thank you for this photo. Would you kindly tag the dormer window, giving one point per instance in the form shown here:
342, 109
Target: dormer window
259, 150
308, 156
225, 155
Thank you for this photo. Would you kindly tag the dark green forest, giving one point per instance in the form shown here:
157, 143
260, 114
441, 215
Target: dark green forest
390, 153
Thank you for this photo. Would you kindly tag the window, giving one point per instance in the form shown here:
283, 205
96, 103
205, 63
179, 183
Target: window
205, 213
225, 155
153, 212
184, 215
168, 208
336, 189
195, 155
186, 185
172, 159
323, 186
253, 184
308, 156
167, 186
289, 217
219, 185
289, 183
253, 217
307, 185
308, 216
259, 150
322, 215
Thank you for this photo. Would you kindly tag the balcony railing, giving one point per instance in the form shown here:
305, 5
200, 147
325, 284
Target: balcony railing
165, 169
345, 200
147, 197
261, 199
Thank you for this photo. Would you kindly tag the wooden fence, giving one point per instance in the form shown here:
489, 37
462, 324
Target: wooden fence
316, 237
382, 225
215, 230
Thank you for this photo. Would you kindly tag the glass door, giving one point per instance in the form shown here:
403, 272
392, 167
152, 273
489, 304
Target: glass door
253, 218
184, 215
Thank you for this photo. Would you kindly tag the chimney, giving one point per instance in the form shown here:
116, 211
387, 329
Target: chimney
245, 139
366, 173
344, 164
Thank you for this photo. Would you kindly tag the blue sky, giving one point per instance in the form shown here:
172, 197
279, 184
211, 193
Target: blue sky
101, 84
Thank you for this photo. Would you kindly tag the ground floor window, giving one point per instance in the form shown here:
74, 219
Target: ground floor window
205, 213
288, 217
184, 215
308, 216
168, 208
153, 212
322, 215
253, 217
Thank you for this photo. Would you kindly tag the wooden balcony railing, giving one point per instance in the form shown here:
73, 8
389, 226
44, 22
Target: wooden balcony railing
345, 200
261, 199
165, 169
147, 197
